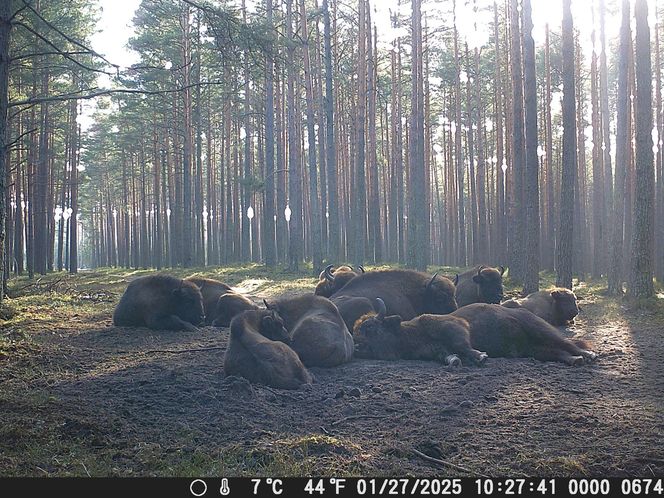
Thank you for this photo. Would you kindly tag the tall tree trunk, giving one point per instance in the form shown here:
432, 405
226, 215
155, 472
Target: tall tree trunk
269, 249
565, 243
623, 145
641, 274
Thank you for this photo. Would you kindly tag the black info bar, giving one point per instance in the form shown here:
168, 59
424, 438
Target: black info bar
330, 486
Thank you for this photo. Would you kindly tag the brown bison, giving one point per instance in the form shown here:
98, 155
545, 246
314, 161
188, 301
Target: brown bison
427, 337
330, 281
211, 290
557, 306
258, 351
481, 284
160, 302
229, 305
406, 293
506, 332
318, 334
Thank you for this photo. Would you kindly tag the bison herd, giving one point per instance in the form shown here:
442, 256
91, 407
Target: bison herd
385, 315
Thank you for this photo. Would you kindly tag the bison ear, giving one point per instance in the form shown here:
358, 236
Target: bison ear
267, 321
502, 270
556, 294
478, 279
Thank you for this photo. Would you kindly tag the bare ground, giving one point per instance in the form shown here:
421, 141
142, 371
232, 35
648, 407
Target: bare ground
81, 397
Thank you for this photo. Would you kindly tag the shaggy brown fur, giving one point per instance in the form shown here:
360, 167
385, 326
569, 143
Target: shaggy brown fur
502, 331
160, 302
558, 306
318, 333
406, 293
258, 351
427, 337
481, 284
229, 305
211, 290
332, 279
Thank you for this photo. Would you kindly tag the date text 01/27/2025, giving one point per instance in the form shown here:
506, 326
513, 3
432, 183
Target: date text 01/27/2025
452, 486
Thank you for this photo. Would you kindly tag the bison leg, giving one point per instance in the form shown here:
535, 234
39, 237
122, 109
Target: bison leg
452, 360
479, 357
169, 322
555, 354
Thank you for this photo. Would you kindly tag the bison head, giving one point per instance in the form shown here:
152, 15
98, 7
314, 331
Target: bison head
564, 304
187, 303
376, 335
330, 281
272, 327
439, 296
490, 284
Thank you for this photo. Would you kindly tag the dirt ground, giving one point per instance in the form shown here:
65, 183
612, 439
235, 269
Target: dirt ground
81, 397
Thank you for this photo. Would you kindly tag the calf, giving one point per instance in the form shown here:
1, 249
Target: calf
557, 306
258, 351
160, 302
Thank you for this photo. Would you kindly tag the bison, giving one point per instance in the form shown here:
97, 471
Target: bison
258, 351
406, 293
229, 305
330, 281
505, 332
481, 284
211, 290
318, 334
160, 302
427, 337
557, 306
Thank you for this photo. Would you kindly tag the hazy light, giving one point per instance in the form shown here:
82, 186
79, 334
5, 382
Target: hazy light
287, 212
250, 213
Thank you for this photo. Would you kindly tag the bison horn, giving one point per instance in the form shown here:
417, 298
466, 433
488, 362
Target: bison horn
267, 306
480, 269
502, 270
432, 279
456, 279
328, 273
380, 307
361, 268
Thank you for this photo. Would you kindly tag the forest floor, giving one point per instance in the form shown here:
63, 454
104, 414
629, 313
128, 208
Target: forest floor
80, 397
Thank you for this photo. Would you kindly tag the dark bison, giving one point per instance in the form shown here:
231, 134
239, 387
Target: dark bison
160, 302
211, 290
258, 351
506, 332
426, 337
557, 306
331, 280
406, 293
318, 334
481, 284
229, 305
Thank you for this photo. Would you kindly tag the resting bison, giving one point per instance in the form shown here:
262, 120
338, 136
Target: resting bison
482, 284
258, 351
229, 305
330, 281
406, 293
557, 306
211, 290
317, 331
427, 337
160, 302
505, 332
